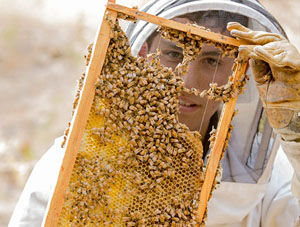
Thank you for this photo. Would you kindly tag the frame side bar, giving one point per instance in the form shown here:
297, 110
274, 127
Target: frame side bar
80, 118
216, 37
217, 150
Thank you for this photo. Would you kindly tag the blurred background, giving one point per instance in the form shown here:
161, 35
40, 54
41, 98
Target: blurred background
42, 45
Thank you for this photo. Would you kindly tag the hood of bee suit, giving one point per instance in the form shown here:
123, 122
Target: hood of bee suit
259, 17
248, 161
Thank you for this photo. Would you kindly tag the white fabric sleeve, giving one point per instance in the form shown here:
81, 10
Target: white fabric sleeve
280, 207
292, 151
32, 203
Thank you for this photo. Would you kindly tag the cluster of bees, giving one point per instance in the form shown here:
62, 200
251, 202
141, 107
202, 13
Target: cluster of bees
77, 96
191, 45
227, 91
126, 17
212, 140
137, 165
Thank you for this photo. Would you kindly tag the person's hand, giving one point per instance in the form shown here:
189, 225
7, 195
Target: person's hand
275, 64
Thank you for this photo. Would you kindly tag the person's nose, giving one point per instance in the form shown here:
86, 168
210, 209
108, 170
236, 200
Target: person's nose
192, 79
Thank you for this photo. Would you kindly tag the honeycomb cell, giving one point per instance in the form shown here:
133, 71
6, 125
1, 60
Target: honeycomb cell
137, 165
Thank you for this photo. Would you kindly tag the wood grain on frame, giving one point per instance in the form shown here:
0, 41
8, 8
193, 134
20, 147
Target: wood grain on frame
160, 21
79, 120
86, 99
217, 149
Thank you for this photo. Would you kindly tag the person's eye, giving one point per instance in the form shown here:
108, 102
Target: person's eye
174, 55
212, 62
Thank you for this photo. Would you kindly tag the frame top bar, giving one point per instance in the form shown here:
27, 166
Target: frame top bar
216, 37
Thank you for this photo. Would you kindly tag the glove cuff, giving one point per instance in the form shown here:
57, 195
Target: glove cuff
291, 131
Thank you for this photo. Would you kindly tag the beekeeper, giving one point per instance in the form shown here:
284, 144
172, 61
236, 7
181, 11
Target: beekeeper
260, 183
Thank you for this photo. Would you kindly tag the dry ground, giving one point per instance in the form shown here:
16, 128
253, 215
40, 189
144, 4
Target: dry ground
40, 62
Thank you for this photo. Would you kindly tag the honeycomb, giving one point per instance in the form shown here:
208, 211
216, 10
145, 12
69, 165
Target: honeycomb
137, 165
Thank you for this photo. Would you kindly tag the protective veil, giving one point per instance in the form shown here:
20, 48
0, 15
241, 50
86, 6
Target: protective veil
242, 163
247, 165
244, 197
255, 187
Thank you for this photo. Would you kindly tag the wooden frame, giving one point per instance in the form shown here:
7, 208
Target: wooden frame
87, 95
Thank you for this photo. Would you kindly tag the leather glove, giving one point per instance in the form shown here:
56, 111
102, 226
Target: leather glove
275, 64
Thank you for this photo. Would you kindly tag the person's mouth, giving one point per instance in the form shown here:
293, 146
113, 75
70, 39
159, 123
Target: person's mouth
187, 106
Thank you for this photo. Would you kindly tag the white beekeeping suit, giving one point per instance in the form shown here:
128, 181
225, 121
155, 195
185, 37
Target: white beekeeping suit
256, 183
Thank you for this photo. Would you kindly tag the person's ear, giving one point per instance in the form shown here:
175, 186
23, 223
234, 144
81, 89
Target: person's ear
144, 50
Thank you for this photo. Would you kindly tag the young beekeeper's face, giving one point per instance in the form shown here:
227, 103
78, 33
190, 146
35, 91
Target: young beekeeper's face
208, 67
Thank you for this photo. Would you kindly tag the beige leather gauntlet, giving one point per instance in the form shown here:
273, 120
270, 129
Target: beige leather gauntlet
275, 65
